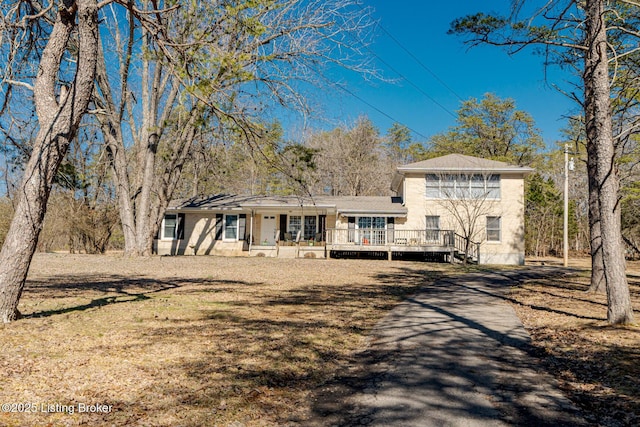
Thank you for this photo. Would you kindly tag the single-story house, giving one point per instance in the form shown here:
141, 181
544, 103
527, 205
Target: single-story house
449, 207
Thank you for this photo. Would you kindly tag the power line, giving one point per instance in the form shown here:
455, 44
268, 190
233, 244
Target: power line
376, 108
415, 58
413, 84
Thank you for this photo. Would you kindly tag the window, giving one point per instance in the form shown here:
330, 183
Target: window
295, 225
493, 187
309, 227
231, 227
377, 222
493, 229
433, 186
172, 227
433, 228
476, 187
451, 186
447, 187
364, 222
373, 230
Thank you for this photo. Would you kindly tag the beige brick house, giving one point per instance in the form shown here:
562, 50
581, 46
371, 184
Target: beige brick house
479, 199
448, 208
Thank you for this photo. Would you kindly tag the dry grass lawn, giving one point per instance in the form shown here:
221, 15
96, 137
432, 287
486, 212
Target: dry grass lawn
206, 341
190, 341
598, 365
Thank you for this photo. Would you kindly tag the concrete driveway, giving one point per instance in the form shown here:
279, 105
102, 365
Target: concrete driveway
456, 354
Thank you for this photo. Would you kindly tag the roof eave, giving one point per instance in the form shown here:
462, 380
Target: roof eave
523, 170
398, 213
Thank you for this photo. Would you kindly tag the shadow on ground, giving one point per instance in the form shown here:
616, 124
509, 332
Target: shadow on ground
448, 353
118, 290
455, 354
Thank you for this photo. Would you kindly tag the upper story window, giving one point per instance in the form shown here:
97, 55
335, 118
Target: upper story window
462, 186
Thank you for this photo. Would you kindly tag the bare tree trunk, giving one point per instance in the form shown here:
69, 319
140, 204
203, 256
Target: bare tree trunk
58, 121
118, 161
598, 284
143, 208
110, 124
600, 135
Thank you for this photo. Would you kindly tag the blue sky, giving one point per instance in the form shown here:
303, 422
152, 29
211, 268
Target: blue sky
420, 27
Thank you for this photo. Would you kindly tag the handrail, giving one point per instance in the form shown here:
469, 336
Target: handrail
468, 247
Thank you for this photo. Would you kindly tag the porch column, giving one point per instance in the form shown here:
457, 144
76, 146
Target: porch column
251, 232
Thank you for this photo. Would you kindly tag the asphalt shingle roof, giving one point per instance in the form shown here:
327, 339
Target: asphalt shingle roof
461, 162
343, 204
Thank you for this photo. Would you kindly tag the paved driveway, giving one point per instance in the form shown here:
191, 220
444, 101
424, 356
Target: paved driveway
453, 355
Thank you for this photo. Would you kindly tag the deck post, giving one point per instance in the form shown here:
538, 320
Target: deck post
251, 232
389, 255
451, 256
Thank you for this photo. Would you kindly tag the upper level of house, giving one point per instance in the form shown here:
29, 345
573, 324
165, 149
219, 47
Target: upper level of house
457, 176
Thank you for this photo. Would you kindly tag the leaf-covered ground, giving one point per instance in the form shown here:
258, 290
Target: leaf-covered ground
196, 341
598, 365
189, 341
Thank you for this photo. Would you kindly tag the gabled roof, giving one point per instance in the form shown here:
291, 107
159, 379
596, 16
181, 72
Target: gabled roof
462, 163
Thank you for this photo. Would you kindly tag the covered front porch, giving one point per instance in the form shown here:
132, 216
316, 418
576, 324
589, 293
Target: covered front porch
295, 232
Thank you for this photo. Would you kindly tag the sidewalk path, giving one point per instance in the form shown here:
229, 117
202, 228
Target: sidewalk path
453, 355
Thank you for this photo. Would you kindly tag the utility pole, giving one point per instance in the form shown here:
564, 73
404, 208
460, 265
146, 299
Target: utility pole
568, 166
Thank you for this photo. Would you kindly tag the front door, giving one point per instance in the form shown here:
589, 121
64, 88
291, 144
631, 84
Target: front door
268, 229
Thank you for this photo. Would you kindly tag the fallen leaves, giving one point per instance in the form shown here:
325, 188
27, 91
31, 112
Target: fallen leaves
598, 365
208, 341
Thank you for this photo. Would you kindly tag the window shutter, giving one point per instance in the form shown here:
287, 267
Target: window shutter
180, 227
242, 226
283, 225
219, 218
322, 226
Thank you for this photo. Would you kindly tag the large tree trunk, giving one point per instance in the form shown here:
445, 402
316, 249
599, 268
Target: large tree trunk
600, 140
58, 121
597, 284
110, 124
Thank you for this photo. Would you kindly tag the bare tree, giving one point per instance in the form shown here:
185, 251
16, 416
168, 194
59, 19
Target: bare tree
59, 111
218, 66
350, 161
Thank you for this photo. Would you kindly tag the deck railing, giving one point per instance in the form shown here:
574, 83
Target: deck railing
390, 237
468, 247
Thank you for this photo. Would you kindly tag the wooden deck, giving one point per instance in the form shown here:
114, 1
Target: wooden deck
342, 242
443, 245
